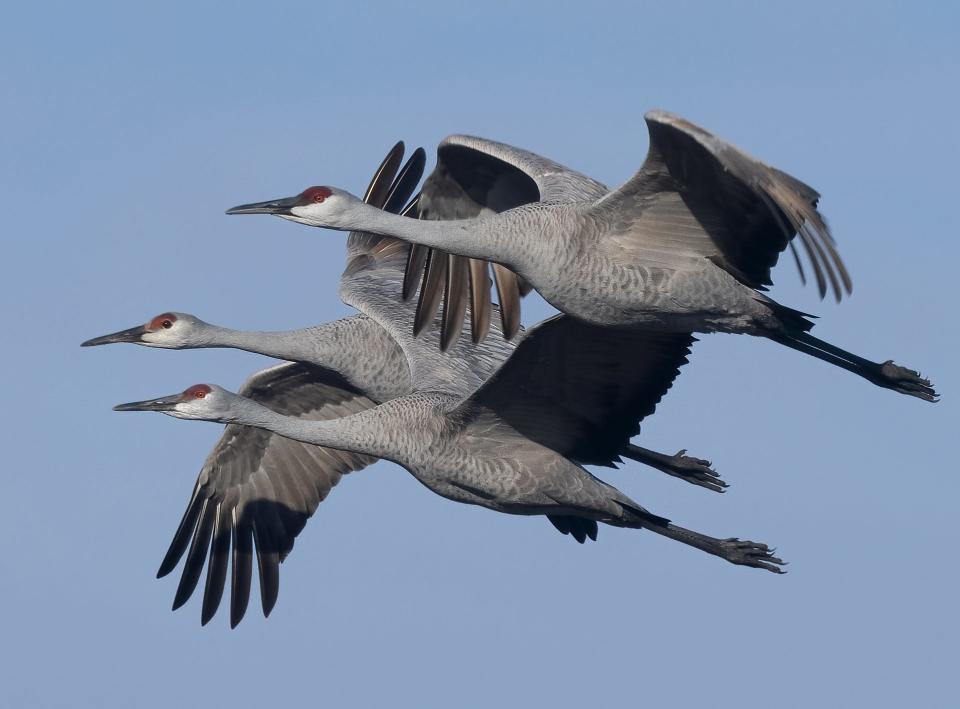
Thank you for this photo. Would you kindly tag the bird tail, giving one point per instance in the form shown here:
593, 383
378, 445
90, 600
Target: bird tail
791, 322
578, 527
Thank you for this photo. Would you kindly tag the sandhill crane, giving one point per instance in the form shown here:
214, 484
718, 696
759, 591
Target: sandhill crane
686, 244
252, 478
509, 444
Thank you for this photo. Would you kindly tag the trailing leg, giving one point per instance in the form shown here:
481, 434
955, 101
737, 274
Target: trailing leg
694, 470
736, 551
884, 374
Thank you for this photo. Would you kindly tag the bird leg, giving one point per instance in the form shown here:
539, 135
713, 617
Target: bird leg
736, 551
693, 470
884, 374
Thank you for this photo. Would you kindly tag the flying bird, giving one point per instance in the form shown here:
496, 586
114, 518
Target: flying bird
685, 245
511, 444
259, 486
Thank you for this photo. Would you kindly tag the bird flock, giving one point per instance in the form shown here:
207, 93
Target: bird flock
505, 418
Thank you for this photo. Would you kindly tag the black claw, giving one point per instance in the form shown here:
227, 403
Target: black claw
906, 381
755, 554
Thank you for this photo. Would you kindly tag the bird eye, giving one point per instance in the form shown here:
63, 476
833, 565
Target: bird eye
164, 320
197, 391
315, 194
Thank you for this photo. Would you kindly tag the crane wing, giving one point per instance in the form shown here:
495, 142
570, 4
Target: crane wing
257, 490
474, 177
582, 389
372, 283
698, 192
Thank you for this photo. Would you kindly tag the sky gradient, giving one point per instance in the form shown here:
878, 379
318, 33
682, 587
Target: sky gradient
126, 133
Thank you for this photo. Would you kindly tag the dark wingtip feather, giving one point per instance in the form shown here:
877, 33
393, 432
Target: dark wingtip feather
455, 301
242, 570
508, 293
197, 555
431, 292
406, 181
217, 566
182, 536
376, 193
799, 263
193, 566
416, 262
479, 300
412, 210
269, 581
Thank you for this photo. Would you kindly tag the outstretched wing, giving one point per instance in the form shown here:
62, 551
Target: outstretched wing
699, 192
582, 389
256, 490
372, 283
474, 177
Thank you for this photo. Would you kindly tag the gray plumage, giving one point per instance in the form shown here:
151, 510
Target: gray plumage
685, 245
257, 486
485, 450
477, 177
510, 440
255, 483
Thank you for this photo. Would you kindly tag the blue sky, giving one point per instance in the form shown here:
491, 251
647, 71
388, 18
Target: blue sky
127, 131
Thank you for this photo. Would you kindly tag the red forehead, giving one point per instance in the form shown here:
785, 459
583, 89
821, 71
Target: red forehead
315, 194
157, 322
197, 391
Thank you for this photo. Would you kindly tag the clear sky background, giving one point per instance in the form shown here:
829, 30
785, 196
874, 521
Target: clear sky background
124, 134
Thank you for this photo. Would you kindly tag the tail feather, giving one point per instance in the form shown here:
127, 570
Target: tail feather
637, 517
579, 527
793, 321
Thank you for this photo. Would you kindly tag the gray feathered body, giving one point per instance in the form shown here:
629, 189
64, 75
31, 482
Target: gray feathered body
598, 267
463, 453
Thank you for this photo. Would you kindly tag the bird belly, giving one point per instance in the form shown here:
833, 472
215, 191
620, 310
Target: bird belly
608, 292
516, 476
488, 480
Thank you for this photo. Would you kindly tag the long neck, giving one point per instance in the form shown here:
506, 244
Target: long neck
356, 347
310, 344
500, 237
367, 433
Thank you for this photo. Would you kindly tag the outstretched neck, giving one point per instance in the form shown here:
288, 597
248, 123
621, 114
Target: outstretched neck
355, 347
498, 237
306, 345
361, 433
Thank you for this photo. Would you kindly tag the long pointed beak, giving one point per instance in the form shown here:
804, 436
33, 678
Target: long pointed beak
273, 206
133, 334
164, 403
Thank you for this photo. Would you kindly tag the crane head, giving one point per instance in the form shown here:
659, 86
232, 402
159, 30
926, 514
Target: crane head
315, 206
167, 330
202, 402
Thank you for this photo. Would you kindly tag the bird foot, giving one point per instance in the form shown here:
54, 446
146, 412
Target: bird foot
905, 381
695, 470
747, 553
